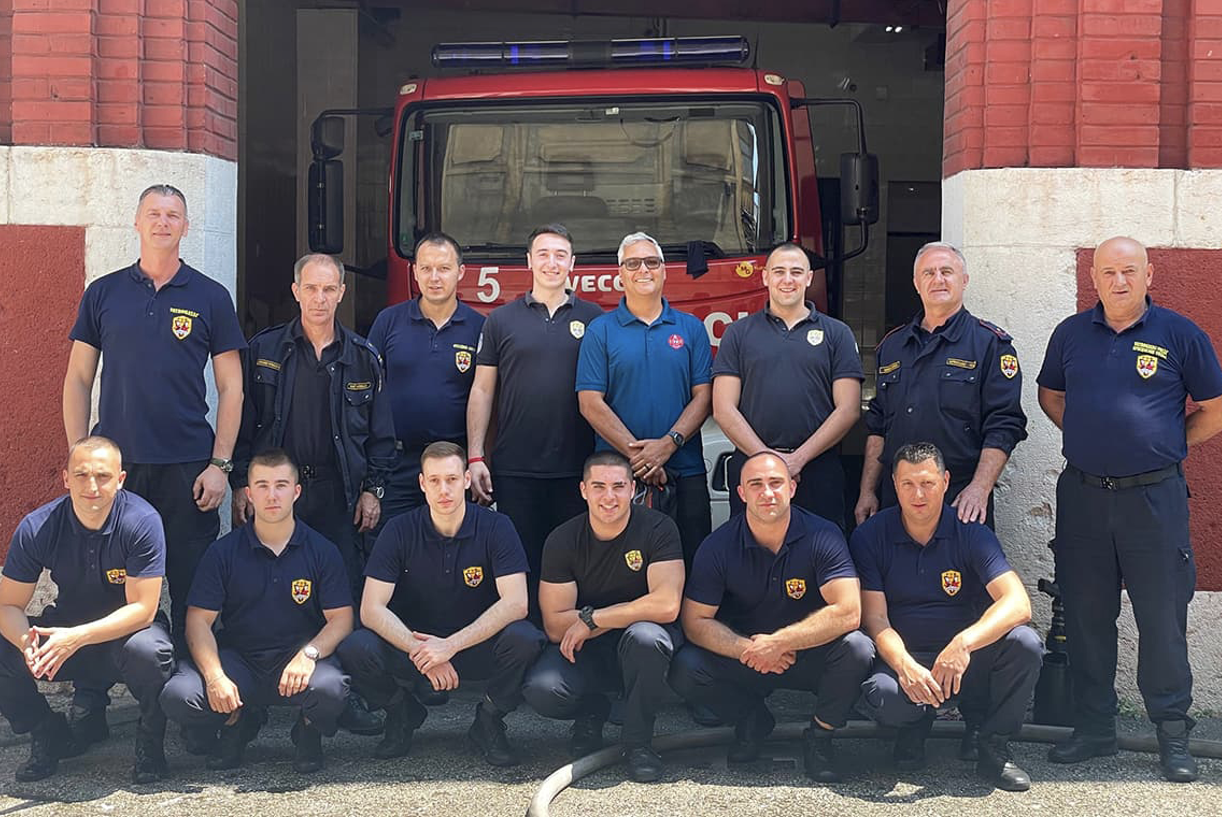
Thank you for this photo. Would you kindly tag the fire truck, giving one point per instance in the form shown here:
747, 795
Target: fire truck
677, 137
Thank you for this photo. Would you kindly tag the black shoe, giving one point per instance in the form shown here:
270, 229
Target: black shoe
150, 765
996, 765
749, 734
232, 742
1082, 747
88, 728
1173, 755
428, 696
818, 757
704, 716
50, 741
588, 728
199, 741
909, 752
358, 719
487, 734
644, 765
402, 719
967, 744
308, 741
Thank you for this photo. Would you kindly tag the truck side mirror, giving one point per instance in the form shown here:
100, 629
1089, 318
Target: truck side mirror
326, 205
327, 137
858, 188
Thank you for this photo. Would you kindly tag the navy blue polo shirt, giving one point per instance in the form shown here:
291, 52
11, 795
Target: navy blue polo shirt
271, 606
761, 592
646, 374
787, 374
442, 584
539, 428
89, 567
154, 345
958, 387
1125, 392
933, 591
428, 371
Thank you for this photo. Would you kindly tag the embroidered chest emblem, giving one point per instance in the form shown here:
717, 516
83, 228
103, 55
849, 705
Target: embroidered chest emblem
676, 341
180, 325
473, 576
634, 560
1147, 365
795, 588
952, 581
301, 589
116, 576
462, 360
814, 337
1009, 365
577, 329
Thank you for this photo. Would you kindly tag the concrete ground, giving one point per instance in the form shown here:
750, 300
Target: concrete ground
441, 778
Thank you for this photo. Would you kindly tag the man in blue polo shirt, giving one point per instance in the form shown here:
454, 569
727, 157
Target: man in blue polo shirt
1115, 379
428, 345
772, 602
282, 593
158, 323
105, 549
643, 383
948, 616
526, 366
445, 599
788, 379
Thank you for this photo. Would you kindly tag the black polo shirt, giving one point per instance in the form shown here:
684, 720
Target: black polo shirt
761, 592
89, 567
787, 374
442, 584
153, 399
608, 572
539, 428
428, 371
933, 591
270, 606
307, 433
1125, 392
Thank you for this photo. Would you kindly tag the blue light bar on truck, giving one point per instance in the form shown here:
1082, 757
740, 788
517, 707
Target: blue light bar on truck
592, 53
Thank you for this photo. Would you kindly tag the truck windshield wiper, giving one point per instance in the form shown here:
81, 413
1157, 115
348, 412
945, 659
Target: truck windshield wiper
711, 249
518, 249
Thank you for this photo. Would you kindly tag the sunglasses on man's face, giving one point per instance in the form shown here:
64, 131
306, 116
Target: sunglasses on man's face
634, 264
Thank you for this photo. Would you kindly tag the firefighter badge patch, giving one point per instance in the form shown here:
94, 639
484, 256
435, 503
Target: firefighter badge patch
473, 576
1009, 365
1147, 365
462, 360
795, 588
116, 576
634, 560
301, 590
181, 326
952, 581
577, 329
814, 337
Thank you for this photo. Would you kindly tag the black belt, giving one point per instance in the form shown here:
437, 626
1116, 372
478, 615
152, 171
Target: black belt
1148, 478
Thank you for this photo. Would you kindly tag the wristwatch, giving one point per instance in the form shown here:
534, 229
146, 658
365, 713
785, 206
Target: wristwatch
310, 652
586, 615
222, 464
377, 490
677, 436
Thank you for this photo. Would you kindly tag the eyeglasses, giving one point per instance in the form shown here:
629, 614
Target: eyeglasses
634, 264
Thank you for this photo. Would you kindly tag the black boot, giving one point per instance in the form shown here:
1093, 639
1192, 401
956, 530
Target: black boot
88, 728
588, 727
1177, 763
1081, 747
308, 741
199, 741
358, 719
487, 734
403, 715
967, 744
51, 739
818, 757
232, 742
644, 765
909, 752
749, 734
996, 765
150, 763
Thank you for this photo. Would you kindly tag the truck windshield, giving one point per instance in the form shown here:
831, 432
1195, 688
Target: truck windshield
708, 170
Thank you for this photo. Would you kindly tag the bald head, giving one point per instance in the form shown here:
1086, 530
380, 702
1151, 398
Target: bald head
1122, 275
1121, 245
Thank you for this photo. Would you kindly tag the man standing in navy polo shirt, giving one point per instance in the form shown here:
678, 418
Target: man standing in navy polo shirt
105, 549
948, 616
428, 345
1115, 380
772, 602
526, 366
457, 575
643, 383
158, 323
282, 594
789, 379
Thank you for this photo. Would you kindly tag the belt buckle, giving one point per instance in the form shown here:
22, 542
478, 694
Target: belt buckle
1107, 483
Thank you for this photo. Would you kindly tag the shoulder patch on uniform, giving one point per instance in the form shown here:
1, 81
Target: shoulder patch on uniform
996, 330
267, 362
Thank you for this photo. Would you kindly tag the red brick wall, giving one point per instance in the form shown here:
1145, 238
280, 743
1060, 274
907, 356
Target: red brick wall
6, 71
122, 73
1086, 83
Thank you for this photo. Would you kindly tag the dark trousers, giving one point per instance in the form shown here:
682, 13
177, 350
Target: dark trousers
692, 514
536, 506
833, 672
959, 479
634, 660
820, 487
379, 669
1139, 536
993, 694
185, 697
143, 661
323, 506
402, 490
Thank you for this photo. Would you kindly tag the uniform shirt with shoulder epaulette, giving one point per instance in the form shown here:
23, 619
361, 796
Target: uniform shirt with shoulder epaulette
958, 387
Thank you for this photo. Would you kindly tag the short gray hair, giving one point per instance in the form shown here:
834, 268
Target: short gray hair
162, 190
317, 258
939, 245
633, 238
917, 453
